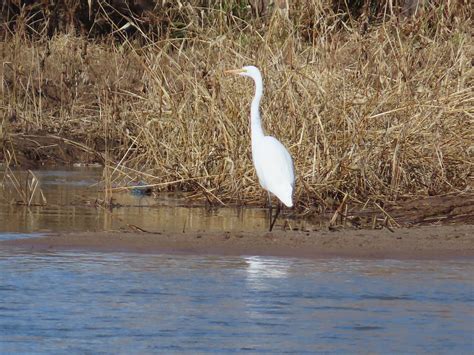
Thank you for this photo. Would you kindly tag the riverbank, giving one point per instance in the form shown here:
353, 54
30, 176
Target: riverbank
367, 122
448, 241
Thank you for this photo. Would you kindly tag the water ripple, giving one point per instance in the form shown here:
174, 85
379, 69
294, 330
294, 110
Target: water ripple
119, 302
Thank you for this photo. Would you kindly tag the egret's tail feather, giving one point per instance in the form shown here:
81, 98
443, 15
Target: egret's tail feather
285, 197
287, 202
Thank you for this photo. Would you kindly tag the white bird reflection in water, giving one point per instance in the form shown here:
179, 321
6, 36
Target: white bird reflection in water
261, 271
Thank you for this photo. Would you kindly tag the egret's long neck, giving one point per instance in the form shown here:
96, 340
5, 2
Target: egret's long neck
255, 123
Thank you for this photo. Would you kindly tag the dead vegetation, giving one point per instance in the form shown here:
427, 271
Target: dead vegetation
374, 102
20, 189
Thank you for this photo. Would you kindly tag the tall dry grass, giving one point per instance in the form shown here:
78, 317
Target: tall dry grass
371, 108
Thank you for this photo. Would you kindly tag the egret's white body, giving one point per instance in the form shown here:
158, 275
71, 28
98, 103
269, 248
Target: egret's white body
274, 168
271, 159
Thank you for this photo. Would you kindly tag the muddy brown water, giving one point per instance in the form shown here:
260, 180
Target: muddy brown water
70, 206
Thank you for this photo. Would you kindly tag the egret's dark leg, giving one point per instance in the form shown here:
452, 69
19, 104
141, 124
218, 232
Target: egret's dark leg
276, 216
270, 211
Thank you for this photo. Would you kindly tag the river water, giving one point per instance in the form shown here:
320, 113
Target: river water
70, 206
90, 302
135, 303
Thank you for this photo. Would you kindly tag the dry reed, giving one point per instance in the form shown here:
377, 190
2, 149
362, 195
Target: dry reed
370, 110
21, 189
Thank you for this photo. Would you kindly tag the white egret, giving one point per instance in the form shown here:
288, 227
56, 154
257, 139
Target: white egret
271, 160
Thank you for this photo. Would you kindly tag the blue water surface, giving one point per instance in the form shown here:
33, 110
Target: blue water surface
74, 302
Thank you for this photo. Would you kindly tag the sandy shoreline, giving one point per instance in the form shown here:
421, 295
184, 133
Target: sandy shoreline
448, 241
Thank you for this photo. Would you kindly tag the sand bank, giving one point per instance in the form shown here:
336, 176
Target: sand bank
418, 242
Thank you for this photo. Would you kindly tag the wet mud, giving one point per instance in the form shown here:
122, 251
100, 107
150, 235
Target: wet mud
429, 227
418, 242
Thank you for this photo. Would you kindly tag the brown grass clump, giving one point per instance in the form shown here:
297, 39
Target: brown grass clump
375, 105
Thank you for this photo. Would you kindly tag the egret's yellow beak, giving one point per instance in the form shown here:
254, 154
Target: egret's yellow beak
235, 71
